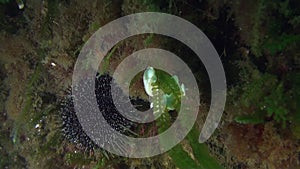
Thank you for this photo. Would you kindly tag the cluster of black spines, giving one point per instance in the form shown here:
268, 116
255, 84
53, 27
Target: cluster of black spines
71, 126
107, 105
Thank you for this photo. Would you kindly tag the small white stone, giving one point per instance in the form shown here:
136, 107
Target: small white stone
37, 126
21, 4
53, 64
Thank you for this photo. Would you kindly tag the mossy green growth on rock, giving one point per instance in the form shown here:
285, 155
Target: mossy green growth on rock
294, 104
270, 99
4, 1
280, 43
77, 158
274, 27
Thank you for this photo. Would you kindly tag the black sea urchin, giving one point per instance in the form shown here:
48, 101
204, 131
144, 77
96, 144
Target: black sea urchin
72, 129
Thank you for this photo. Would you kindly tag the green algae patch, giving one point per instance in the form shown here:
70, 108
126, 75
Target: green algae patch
200, 153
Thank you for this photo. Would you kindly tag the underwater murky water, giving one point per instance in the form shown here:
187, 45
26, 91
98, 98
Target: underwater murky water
257, 43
